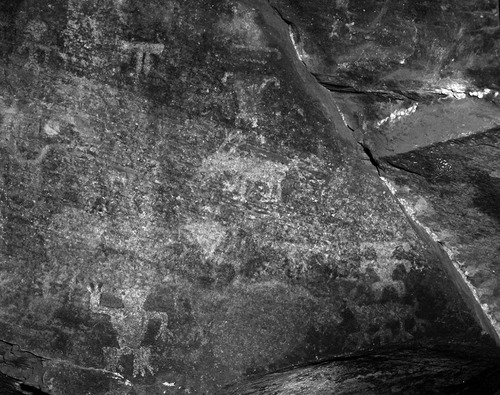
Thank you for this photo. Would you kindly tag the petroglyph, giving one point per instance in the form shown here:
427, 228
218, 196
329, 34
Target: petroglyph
244, 170
11, 130
130, 321
379, 258
143, 52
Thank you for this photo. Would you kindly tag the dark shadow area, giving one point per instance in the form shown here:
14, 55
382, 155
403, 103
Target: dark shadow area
8, 14
488, 195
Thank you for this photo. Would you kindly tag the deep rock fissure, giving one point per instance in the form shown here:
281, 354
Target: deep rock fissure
374, 161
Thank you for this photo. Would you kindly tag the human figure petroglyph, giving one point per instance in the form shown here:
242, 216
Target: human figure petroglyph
143, 53
130, 322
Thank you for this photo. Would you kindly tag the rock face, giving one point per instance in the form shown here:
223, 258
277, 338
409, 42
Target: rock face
411, 369
407, 74
183, 203
452, 190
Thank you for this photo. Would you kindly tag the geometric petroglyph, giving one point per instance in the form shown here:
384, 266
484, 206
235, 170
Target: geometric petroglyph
143, 53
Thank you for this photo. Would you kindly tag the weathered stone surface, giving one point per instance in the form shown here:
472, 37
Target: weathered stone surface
452, 189
182, 203
411, 369
20, 366
404, 75
408, 46
391, 35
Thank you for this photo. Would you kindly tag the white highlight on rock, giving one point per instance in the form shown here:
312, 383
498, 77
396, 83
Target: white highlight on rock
453, 89
398, 114
483, 93
341, 114
51, 128
118, 376
299, 50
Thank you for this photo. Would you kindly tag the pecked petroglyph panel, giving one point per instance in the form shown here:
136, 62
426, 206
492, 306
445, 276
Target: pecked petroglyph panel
243, 172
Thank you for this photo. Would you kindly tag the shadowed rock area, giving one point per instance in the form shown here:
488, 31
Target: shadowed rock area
193, 193
401, 369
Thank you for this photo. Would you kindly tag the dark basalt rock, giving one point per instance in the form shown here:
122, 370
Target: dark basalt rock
404, 75
408, 45
453, 189
184, 203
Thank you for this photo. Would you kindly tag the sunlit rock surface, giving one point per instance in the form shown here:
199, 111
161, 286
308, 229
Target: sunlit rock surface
184, 204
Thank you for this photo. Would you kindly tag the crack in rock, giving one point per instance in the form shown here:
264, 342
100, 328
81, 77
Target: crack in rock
23, 368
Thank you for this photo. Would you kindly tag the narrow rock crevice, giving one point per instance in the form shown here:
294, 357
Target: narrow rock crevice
402, 168
373, 160
327, 82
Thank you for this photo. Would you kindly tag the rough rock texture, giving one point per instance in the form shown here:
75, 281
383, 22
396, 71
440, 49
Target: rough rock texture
183, 204
407, 76
407, 73
410, 369
452, 189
